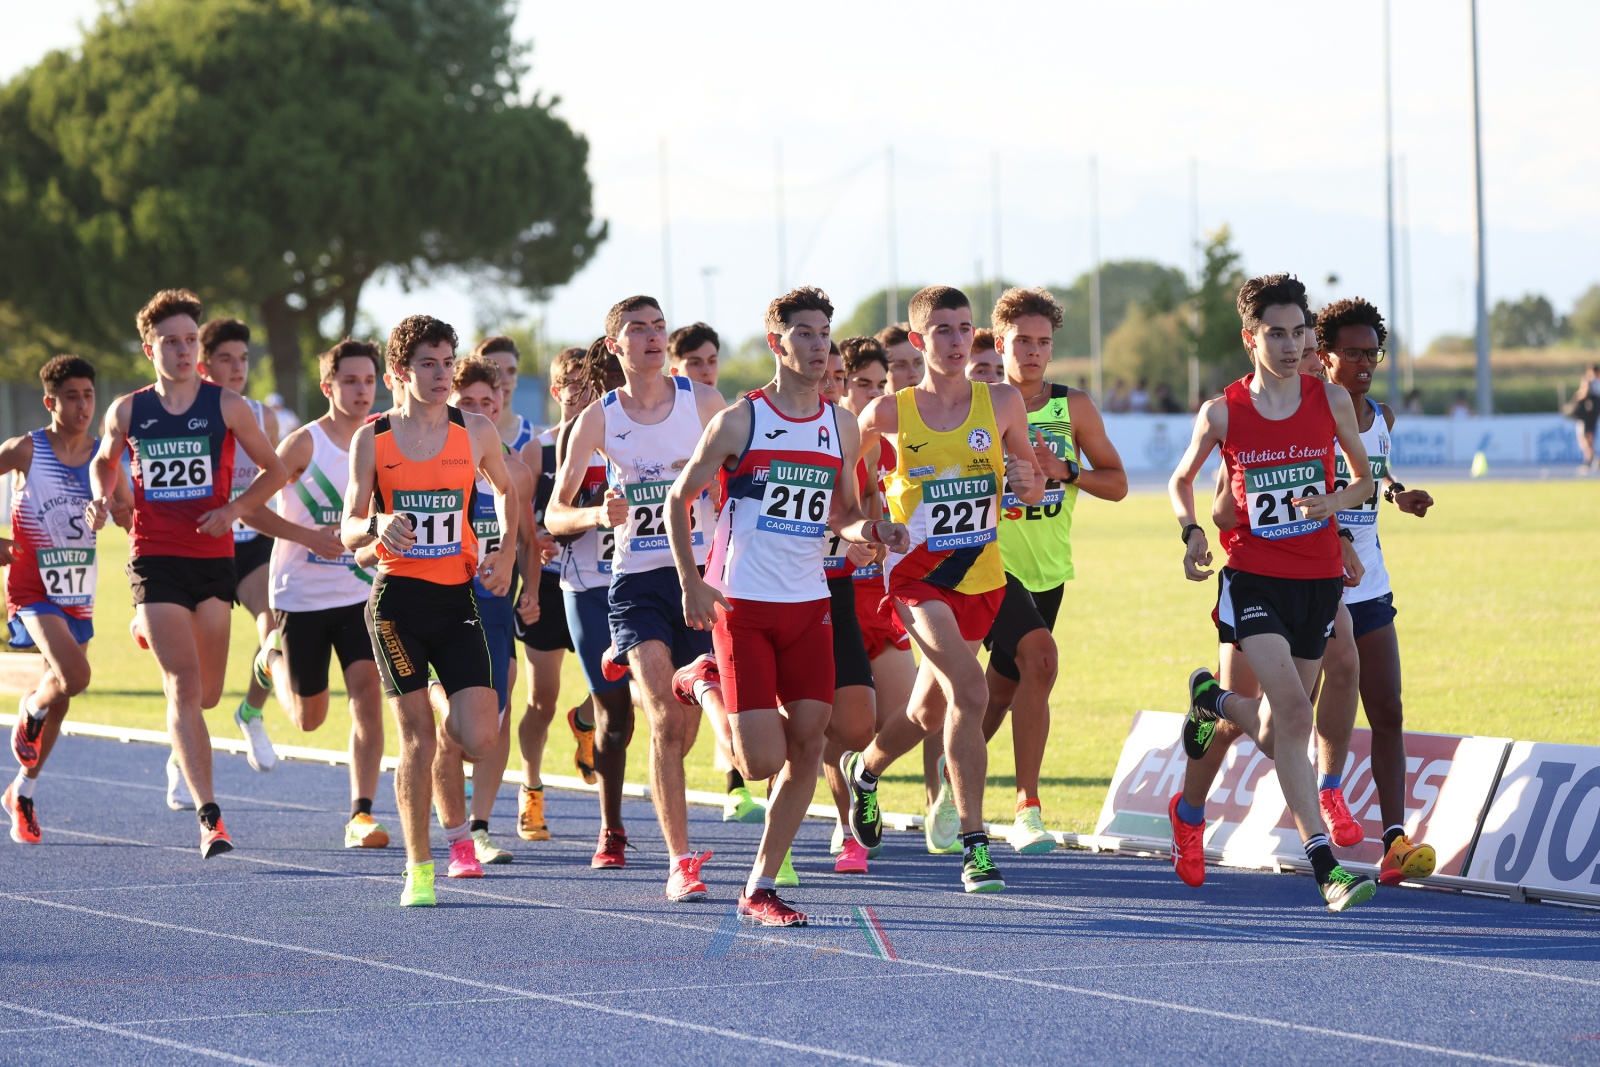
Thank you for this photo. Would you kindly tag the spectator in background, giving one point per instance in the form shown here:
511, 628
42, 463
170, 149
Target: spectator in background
1460, 407
1139, 398
984, 364
287, 420
1586, 409
692, 353
1163, 402
1413, 402
1117, 399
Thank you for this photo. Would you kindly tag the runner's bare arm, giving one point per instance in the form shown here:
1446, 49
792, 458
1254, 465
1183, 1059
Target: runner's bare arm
248, 435
1222, 514
848, 518
1022, 467
561, 518
122, 500
103, 469
528, 542
880, 419
269, 423
496, 569
708, 402
393, 530
1348, 433
1104, 475
1410, 501
724, 437
1210, 430
296, 451
15, 455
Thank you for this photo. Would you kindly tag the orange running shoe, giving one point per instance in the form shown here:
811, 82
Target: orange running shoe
363, 831
611, 854
1403, 862
767, 910
684, 883
702, 669
24, 824
1343, 829
25, 736
583, 755
215, 840
1188, 848
530, 815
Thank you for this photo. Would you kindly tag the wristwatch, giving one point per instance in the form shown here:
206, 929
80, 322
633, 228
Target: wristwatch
1345, 533
1391, 490
1073, 470
1186, 529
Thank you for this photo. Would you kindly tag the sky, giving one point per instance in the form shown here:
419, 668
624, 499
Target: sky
995, 115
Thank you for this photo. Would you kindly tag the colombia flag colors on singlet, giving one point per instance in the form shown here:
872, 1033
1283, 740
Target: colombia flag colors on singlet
182, 468
437, 496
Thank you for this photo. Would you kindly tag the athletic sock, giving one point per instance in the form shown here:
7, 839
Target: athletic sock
679, 859
735, 780
209, 815
758, 882
1210, 699
1030, 802
34, 713
972, 841
247, 712
577, 718
1321, 857
700, 688
24, 785
533, 788
360, 806
410, 866
1189, 814
454, 834
1390, 833
1330, 781
478, 824
866, 781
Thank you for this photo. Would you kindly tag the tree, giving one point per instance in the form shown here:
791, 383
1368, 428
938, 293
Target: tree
1584, 322
872, 313
1529, 323
275, 155
1216, 339
1150, 344
1123, 283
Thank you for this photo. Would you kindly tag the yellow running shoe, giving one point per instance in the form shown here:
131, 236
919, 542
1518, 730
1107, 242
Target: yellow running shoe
530, 815
786, 875
365, 832
1405, 861
418, 891
583, 754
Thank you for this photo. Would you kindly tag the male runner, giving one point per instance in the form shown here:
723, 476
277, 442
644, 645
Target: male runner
225, 360
906, 362
182, 433
1281, 586
515, 430
949, 435
692, 353
646, 430
1036, 543
50, 579
785, 462
985, 364
413, 475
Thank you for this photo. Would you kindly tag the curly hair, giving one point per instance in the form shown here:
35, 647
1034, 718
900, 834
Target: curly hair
622, 307
1268, 290
688, 338
805, 298
857, 352
60, 368
349, 348
1351, 311
413, 332
1017, 302
470, 370
166, 304
934, 298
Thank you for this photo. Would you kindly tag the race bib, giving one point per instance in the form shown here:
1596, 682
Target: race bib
1271, 492
796, 499
241, 532
329, 516
647, 505
1054, 492
961, 512
436, 518
833, 559
176, 468
1367, 513
68, 575
606, 550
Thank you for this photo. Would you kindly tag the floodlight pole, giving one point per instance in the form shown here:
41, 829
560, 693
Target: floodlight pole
783, 255
892, 296
1485, 387
666, 240
1392, 309
1194, 272
1096, 363
999, 272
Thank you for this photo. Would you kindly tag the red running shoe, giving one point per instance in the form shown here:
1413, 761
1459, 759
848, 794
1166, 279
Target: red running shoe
24, 824
611, 853
1188, 848
611, 669
25, 736
1342, 826
767, 910
214, 841
684, 883
703, 669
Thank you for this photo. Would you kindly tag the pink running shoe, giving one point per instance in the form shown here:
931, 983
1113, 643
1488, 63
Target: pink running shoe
852, 858
1188, 848
702, 669
464, 861
684, 883
1343, 829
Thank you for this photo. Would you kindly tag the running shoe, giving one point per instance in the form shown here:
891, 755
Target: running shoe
583, 754
178, 796
1405, 862
942, 826
767, 910
979, 874
612, 667
258, 746
418, 890
1199, 724
363, 831
1342, 826
702, 669
1028, 835
530, 815
487, 851
214, 840
836, 842
852, 858
137, 634
464, 861
1344, 890
25, 736
684, 883
866, 823
611, 855
786, 875
260, 666
740, 806
1188, 847
24, 824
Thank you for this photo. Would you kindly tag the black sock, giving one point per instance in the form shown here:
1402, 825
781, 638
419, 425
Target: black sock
360, 806
1390, 834
209, 815
478, 824
735, 780
1210, 698
1321, 857
577, 717
972, 841
533, 788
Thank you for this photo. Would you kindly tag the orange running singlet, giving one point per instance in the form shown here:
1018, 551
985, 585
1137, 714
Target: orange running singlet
436, 495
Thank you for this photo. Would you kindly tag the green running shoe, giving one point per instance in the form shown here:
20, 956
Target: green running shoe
1199, 725
836, 842
740, 806
866, 822
979, 874
487, 851
1028, 834
786, 876
1344, 890
941, 828
418, 891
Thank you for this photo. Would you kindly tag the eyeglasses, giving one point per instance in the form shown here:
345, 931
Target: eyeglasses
1356, 355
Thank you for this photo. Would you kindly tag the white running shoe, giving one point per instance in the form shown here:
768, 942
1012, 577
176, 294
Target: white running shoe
259, 749
1028, 834
178, 795
942, 827
836, 843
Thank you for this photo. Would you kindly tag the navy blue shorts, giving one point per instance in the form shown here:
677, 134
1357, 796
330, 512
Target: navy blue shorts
648, 606
1369, 615
588, 621
81, 629
498, 618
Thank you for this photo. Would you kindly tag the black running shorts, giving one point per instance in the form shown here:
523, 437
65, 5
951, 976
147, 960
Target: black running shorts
180, 580
311, 638
850, 663
1300, 610
1021, 613
550, 632
415, 624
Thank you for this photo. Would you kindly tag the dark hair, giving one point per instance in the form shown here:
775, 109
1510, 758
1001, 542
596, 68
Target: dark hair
833, 347
220, 332
934, 298
1268, 290
490, 345
413, 332
622, 307
1017, 302
1311, 318
567, 361
55, 373
805, 298
1352, 311
857, 352
349, 348
688, 338
470, 370
165, 305
896, 333
982, 340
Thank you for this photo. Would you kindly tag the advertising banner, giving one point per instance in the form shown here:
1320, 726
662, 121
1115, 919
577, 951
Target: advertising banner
1543, 828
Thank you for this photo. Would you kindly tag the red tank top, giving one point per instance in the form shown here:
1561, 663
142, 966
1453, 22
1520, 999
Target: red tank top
1272, 462
182, 468
437, 494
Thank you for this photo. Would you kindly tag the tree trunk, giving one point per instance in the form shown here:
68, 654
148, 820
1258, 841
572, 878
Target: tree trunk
283, 342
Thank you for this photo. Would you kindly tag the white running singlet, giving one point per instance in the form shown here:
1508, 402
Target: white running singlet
644, 462
298, 578
1362, 522
244, 472
586, 562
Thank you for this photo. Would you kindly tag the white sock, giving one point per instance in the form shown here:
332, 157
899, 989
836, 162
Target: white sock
419, 863
700, 689
33, 712
758, 882
452, 834
25, 784
679, 859
863, 783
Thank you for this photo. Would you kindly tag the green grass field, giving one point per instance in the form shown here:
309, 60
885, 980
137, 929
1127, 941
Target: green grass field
1497, 590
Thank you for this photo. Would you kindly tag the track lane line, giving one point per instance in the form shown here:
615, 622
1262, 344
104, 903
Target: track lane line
73, 1021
